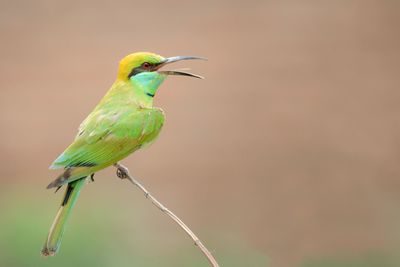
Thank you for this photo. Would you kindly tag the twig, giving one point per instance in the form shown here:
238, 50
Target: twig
123, 173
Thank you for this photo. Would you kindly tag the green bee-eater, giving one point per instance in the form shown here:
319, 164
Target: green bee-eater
124, 121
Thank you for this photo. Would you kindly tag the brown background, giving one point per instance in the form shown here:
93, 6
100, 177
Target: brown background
290, 145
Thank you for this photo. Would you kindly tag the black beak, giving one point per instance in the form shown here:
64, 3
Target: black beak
178, 72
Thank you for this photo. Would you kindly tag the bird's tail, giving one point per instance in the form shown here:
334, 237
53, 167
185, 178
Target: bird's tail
53, 240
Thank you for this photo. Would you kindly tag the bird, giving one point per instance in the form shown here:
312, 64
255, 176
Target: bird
124, 121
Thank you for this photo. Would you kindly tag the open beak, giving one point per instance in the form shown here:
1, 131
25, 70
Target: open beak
178, 72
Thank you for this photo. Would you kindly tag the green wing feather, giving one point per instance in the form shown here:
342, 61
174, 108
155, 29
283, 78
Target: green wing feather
108, 136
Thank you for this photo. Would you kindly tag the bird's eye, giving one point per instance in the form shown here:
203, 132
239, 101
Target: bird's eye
146, 65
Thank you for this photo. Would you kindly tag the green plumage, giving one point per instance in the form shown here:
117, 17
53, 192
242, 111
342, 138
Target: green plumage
123, 121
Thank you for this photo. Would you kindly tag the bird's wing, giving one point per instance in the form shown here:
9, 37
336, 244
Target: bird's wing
106, 137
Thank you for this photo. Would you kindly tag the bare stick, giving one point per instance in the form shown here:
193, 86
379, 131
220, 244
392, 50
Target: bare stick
123, 173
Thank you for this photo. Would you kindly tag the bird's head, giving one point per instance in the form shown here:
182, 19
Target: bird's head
143, 69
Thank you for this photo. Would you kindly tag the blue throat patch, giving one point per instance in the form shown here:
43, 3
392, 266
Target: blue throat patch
148, 82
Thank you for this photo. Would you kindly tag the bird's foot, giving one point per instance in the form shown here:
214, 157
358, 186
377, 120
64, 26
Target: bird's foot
122, 171
92, 177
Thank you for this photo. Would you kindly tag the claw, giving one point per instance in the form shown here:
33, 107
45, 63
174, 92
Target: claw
122, 173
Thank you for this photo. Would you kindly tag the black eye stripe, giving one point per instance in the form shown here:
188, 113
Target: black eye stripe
141, 68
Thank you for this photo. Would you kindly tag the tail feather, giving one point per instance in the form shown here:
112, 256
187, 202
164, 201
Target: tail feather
60, 180
54, 237
71, 174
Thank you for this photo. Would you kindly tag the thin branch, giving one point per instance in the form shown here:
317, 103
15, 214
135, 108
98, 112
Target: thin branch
123, 173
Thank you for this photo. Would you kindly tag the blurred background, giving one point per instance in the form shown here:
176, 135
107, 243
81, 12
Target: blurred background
287, 154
